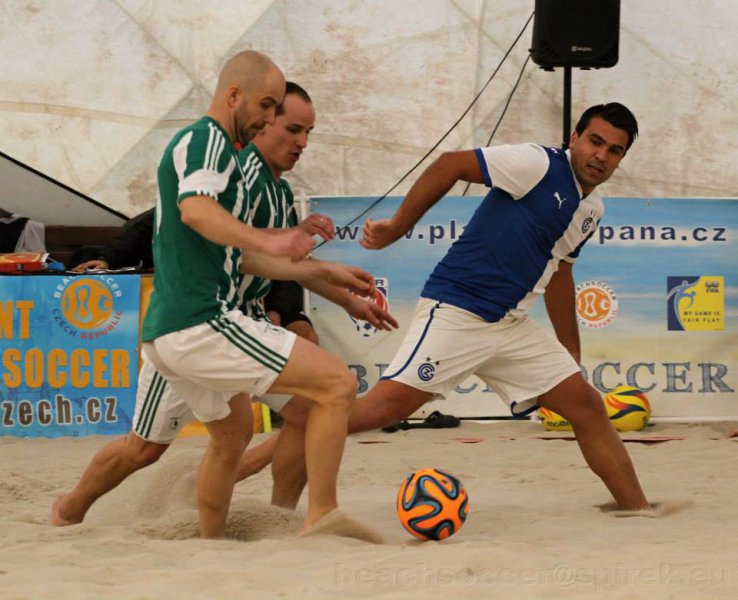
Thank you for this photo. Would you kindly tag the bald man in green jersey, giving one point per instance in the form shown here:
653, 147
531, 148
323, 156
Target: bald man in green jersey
199, 342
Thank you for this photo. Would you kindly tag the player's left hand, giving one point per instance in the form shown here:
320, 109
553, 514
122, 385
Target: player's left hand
317, 224
352, 278
293, 243
363, 309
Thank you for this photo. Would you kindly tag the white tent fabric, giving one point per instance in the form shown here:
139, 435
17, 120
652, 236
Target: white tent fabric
93, 89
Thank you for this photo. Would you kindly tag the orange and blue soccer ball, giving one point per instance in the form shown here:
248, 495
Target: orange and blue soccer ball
432, 504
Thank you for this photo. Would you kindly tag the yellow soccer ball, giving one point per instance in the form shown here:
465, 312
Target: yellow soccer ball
628, 408
553, 421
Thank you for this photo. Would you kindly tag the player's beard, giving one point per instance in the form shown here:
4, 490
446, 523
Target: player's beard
244, 132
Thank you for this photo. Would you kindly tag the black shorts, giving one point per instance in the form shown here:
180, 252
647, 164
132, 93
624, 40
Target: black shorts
286, 299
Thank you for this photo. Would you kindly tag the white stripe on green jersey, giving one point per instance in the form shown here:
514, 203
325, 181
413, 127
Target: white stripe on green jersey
195, 280
271, 205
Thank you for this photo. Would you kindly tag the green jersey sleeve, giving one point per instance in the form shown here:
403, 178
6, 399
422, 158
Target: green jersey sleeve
202, 163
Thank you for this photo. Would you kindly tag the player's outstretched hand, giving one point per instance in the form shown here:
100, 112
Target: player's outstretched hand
294, 243
378, 234
317, 224
363, 309
352, 278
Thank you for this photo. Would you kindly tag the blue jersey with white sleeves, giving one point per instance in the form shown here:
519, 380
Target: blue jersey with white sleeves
533, 217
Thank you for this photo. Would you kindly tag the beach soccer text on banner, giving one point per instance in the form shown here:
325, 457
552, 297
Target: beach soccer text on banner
69, 358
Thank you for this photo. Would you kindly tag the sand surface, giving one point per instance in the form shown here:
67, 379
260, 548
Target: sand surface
540, 524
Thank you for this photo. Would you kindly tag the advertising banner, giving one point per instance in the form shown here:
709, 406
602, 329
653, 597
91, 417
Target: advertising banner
657, 299
69, 354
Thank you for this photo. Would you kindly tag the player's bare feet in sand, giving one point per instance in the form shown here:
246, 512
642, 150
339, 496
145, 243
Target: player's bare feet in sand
655, 510
57, 508
337, 523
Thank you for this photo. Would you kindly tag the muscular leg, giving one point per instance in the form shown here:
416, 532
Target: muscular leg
288, 459
386, 403
286, 447
295, 414
581, 405
256, 458
330, 385
228, 439
109, 467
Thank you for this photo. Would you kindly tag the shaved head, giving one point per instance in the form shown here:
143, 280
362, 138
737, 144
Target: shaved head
246, 69
250, 87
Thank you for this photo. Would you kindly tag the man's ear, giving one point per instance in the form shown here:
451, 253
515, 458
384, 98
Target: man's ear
233, 95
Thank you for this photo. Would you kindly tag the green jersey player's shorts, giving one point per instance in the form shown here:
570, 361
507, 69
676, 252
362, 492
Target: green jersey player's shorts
193, 373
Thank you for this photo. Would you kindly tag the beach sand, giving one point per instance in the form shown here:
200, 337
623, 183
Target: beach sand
540, 523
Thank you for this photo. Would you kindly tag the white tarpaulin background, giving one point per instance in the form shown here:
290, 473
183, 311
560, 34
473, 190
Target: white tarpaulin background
93, 89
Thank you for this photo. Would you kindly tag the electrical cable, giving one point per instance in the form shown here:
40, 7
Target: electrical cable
504, 110
445, 135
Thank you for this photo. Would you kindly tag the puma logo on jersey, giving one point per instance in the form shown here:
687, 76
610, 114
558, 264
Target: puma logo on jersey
559, 199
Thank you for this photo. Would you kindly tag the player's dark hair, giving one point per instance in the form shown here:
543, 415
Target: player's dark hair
292, 88
614, 113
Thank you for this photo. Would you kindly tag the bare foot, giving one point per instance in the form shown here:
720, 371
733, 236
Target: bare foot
337, 523
656, 509
56, 518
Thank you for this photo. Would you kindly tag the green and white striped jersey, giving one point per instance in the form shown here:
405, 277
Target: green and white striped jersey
271, 204
195, 280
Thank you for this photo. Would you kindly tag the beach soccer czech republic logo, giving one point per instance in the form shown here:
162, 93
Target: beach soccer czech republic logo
381, 299
597, 304
87, 306
695, 303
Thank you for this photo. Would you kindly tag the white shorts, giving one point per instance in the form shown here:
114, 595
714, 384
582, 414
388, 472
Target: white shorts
515, 356
160, 412
193, 373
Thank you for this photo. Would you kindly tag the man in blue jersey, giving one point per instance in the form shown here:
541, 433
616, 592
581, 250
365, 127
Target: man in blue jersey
521, 242
471, 318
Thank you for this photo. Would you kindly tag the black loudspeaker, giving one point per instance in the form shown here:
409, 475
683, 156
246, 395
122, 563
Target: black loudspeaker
576, 33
